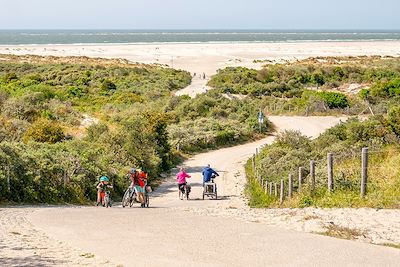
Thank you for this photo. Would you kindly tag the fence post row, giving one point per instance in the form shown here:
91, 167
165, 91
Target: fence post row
364, 171
271, 187
330, 172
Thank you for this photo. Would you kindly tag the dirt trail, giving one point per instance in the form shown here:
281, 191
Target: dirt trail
197, 86
186, 233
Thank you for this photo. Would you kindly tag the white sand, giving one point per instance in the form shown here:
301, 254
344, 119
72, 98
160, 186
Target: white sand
207, 58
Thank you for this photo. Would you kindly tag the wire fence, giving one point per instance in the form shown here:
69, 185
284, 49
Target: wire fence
363, 171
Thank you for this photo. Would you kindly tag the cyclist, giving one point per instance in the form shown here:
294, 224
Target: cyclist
132, 175
101, 189
139, 181
181, 178
208, 173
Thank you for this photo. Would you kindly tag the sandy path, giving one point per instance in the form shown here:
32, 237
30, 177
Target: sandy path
22, 244
184, 233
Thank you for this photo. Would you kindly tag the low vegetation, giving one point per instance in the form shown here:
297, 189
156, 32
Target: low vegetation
318, 85
66, 121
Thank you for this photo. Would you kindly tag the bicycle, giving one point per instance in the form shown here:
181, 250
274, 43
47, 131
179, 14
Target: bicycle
185, 190
107, 199
129, 197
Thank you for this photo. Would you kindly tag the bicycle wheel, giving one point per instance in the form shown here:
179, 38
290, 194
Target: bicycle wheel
106, 201
125, 198
146, 200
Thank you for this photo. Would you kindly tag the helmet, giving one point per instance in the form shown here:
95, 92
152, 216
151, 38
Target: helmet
139, 170
133, 170
104, 178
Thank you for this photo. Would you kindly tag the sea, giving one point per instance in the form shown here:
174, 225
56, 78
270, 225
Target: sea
31, 37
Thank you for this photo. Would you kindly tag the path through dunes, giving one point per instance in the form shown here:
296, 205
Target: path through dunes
190, 233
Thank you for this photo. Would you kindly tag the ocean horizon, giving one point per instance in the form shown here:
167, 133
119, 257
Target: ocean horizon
42, 37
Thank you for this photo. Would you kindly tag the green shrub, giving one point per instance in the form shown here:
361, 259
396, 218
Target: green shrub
394, 119
10, 76
44, 131
108, 85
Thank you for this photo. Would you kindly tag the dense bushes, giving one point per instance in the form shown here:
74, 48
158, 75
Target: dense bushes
290, 79
42, 103
66, 122
331, 99
44, 131
211, 120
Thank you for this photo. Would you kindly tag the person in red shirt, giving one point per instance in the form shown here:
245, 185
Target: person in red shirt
139, 181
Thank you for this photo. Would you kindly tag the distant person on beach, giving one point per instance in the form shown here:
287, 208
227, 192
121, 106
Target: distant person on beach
194, 74
204, 76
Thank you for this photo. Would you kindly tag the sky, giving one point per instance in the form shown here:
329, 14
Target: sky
201, 14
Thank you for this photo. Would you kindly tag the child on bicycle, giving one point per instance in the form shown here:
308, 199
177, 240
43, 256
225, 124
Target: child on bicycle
181, 179
101, 189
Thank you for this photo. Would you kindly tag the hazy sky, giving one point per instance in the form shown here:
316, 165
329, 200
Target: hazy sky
202, 14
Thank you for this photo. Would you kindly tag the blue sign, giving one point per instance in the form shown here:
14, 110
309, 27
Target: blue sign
260, 117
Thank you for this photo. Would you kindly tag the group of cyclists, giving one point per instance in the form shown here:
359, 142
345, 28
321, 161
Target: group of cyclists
207, 173
139, 178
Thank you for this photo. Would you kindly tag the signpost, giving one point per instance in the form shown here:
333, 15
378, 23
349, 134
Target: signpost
260, 119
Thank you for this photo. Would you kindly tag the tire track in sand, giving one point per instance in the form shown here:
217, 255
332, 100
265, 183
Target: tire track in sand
21, 244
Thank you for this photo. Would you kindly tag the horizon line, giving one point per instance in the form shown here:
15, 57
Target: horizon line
198, 29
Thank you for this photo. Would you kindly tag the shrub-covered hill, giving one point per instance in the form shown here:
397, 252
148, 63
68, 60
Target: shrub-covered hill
66, 121
318, 85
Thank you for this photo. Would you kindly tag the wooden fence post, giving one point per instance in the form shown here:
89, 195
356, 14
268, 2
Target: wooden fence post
312, 174
270, 188
290, 186
300, 178
276, 189
364, 171
330, 172
265, 185
8, 179
282, 197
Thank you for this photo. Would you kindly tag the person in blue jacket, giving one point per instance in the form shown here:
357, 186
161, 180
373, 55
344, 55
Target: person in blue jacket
208, 173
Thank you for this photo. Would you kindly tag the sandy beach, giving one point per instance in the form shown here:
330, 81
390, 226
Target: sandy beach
207, 58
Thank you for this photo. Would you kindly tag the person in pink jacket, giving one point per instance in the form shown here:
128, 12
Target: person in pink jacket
181, 179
